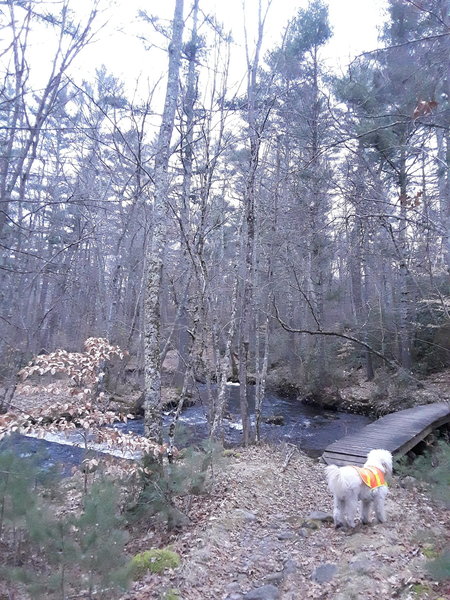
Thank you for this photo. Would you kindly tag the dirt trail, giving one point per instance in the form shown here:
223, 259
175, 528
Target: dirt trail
260, 541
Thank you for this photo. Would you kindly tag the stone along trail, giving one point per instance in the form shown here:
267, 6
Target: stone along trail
269, 537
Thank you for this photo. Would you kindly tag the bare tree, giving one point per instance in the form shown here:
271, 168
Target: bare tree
152, 335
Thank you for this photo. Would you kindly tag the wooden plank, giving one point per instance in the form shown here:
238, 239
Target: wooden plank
338, 454
397, 432
368, 445
356, 451
352, 443
340, 462
384, 434
418, 438
394, 439
330, 460
420, 415
353, 450
357, 441
343, 460
347, 453
385, 442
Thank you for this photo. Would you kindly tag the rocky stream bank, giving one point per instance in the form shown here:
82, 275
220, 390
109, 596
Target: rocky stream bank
383, 395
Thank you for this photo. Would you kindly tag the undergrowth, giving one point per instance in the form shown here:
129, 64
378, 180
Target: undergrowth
433, 467
58, 542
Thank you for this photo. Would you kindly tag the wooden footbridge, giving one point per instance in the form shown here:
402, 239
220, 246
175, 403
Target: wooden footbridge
397, 432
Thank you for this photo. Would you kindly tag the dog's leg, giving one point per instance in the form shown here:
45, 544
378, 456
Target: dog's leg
365, 511
339, 512
351, 506
378, 504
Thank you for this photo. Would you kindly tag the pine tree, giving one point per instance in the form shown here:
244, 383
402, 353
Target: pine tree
304, 120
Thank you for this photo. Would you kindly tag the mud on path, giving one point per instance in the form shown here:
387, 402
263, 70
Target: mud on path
260, 539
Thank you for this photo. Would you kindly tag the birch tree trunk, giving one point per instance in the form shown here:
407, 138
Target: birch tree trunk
404, 302
358, 264
443, 147
187, 156
255, 131
152, 319
317, 211
216, 416
262, 365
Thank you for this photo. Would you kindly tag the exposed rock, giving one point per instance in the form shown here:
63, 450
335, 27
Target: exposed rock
285, 535
233, 587
133, 402
171, 398
328, 398
358, 539
320, 515
324, 573
409, 482
303, 532
290, 566
363, 566
245, 515
265, 592
295, 520
275, 578
133, 365
234, 591
280, 380
311, 524
354, 587
171, 361
275, 420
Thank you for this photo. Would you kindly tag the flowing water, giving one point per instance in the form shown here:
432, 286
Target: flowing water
309, 428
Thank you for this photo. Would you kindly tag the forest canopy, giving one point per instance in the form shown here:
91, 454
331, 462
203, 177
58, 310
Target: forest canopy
301, 224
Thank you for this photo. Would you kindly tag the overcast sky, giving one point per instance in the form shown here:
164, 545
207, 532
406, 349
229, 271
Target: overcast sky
355, 24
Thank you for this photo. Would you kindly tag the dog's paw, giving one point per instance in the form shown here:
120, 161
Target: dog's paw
355, 529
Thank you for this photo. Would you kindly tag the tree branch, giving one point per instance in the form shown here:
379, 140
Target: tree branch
350, 338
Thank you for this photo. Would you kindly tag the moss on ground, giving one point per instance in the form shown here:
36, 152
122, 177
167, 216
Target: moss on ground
155, 560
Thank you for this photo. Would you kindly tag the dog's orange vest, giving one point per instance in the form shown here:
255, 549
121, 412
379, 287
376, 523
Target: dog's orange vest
372, 476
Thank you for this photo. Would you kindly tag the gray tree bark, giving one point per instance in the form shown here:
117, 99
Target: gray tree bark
152, 324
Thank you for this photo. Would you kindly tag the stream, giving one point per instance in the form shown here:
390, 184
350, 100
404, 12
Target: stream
311, 429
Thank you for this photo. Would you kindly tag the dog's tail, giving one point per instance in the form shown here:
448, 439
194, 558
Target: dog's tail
337, 483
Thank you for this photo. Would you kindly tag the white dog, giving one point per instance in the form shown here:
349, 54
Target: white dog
350, 484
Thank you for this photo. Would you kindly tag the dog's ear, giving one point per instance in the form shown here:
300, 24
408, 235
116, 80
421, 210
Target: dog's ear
381, 457
386, 461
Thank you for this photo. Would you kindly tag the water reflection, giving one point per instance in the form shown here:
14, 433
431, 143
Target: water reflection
311, 429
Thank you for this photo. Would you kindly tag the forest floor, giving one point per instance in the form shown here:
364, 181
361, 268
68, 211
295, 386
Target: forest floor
258, 535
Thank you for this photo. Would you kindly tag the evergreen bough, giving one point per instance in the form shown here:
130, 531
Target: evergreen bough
162, 484
434, 467
74, 552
